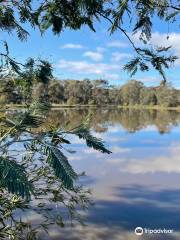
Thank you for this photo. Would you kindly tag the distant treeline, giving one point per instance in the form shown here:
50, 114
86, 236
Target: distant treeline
92, 92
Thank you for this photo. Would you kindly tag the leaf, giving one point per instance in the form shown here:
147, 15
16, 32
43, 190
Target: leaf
132, 66
15, 67
59, 162
91, 141
24, 121
163, 49
38, 108
32, 118
13, 178
6, 47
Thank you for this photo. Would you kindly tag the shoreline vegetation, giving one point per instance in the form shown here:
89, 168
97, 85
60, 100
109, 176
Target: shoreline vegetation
89, 93
138, 107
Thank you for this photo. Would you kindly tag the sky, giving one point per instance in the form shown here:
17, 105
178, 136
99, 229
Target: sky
84, 54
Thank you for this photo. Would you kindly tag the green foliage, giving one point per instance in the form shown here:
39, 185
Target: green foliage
63, 170
91, 141
44, 72
13, 178
156, 58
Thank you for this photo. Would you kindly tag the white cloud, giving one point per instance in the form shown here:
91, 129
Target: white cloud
84, 67
160, 39
75, 158
150, 80
101, 49
116, 161
72, 46
117, 44
111, 76
116, 129
117, 149
155, 164
95, 56
117, 56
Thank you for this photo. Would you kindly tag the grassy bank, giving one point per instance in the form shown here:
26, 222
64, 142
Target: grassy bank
156, 107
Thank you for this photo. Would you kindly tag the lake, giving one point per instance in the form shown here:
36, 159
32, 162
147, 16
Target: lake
138, 185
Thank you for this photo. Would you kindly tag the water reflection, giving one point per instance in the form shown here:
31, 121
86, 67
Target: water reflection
131, 120
138, 184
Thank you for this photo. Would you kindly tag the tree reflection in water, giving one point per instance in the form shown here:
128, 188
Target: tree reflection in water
131, 120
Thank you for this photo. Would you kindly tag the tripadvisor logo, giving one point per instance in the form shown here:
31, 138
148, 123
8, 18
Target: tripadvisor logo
139, 231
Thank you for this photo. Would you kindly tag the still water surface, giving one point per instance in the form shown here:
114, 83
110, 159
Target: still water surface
138, 184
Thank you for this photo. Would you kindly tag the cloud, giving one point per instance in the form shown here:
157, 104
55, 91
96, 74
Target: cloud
160, 39
95, 56
117, 44
150, 79
117, 56
75, 158
72, 46
155, 164
112, 76
117, 149
84, 67
101, 49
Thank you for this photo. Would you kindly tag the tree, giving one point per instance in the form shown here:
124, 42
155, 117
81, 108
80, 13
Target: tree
166, 96
148, 96
115, 96
56, 92
24, 81
130, 92
77, 92
72, 93
100, 92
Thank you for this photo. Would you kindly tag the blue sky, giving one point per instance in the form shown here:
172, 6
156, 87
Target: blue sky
85, 54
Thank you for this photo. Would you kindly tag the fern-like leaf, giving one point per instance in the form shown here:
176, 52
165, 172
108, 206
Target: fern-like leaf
13, 178
59, 162
39, 108
23, 121
91, 141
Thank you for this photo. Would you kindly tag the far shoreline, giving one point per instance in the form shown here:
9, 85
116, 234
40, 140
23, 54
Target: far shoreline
138, 107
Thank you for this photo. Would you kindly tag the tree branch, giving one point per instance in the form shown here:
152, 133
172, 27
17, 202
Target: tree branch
125, 33
10, 59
